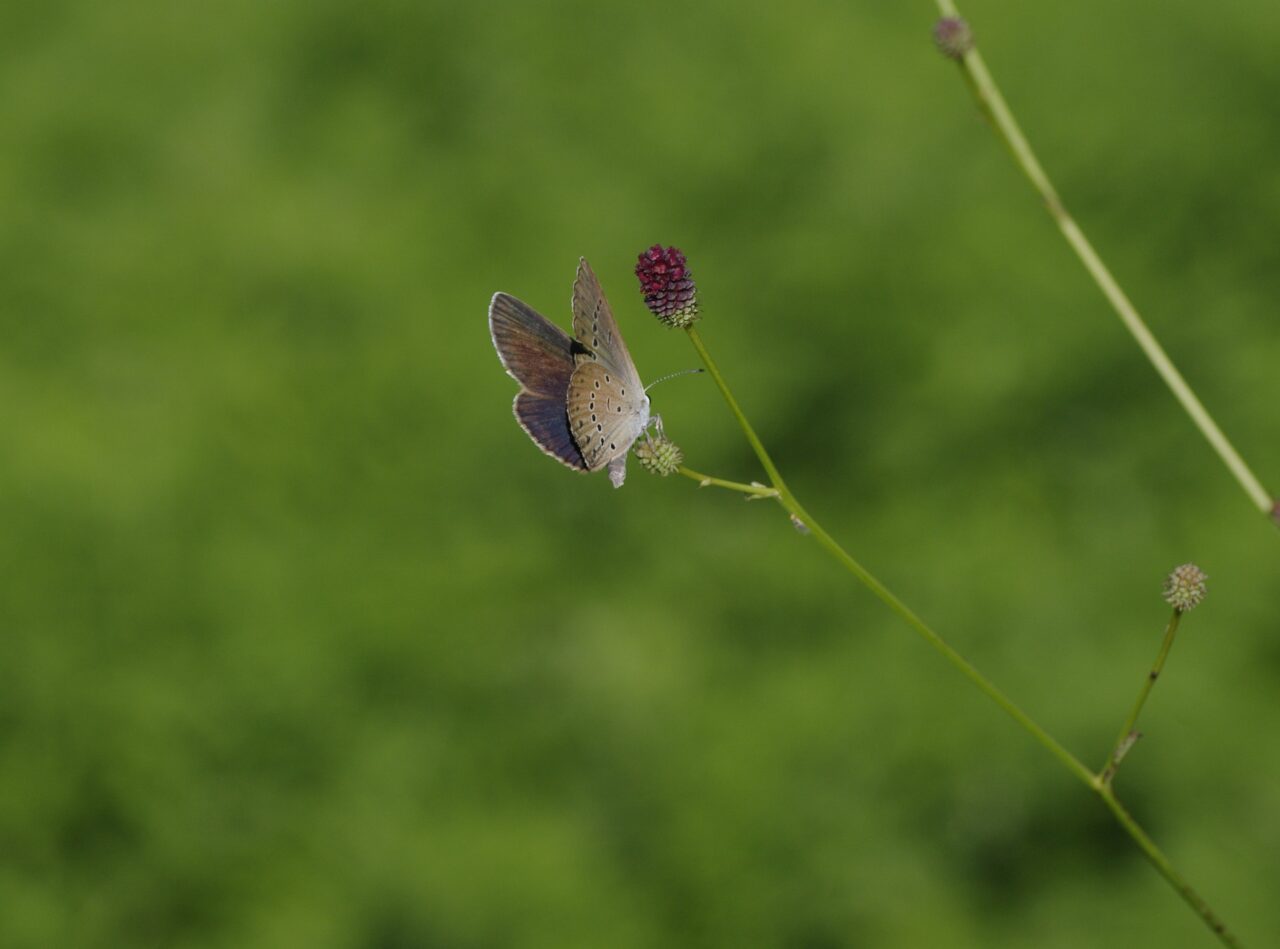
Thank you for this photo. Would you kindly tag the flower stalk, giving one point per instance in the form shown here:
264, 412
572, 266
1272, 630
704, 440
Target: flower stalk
829, 543
1128, 734
754, 491
1099, 783
1095, 782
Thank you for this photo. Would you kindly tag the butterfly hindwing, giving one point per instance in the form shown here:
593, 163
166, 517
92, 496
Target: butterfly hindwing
547, 423
606, 414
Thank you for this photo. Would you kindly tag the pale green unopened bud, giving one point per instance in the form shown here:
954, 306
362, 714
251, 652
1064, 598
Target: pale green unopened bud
1184, 587
659, 455
953, 37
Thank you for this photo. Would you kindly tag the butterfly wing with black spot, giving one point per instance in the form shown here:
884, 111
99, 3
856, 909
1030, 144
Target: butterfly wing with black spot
539, 355
596, 329
606, 413
608, 408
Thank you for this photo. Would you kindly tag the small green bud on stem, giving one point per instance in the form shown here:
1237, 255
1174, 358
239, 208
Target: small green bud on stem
1184, 587
953, 37
659, 455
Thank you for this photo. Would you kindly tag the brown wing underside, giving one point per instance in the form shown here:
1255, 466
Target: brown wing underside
596, 329
547, 422
604, 415
539, 355
534, 351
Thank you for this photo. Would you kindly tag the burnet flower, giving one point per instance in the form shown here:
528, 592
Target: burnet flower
668, 287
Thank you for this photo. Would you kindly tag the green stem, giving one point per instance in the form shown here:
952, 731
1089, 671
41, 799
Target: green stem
1157, 859
992, 104
775, 476
1068, 760
754, 490
788, 501
1124, 741
966, 668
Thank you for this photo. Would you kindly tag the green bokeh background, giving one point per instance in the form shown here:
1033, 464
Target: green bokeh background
302, 643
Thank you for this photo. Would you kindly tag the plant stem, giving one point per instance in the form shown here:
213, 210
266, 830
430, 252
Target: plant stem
775, 476
966, 668
1165, 868
754, 490
992, 104
789, 501
1121, 747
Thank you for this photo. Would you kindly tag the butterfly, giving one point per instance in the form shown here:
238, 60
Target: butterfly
581, 399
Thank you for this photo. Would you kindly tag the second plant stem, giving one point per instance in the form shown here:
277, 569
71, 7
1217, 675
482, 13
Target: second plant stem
993, 106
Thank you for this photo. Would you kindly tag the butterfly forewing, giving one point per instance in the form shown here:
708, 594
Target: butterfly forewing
596, 329
534, 351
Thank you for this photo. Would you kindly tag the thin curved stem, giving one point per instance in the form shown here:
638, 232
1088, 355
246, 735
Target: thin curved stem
775, 476
992, 104
829, 543
986, 686
1158, 860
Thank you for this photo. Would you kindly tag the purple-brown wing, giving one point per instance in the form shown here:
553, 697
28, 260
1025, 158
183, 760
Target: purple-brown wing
539, 355
596, 329
534, 351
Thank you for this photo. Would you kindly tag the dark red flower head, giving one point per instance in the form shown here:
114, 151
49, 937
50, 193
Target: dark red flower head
668, 289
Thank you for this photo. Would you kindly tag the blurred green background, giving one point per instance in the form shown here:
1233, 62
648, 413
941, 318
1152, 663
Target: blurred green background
302, 643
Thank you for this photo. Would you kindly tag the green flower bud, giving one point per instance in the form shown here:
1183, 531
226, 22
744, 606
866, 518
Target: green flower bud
1184, 587
953, 37
659, 455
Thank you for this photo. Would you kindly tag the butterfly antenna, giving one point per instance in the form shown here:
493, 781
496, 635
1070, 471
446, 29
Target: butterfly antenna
671, 375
